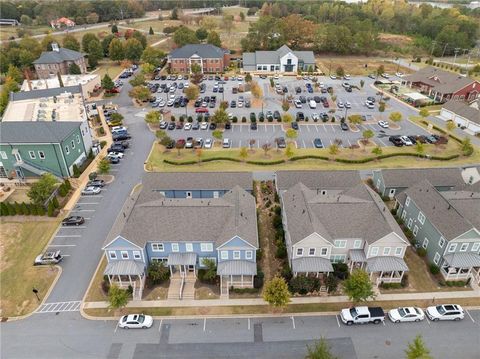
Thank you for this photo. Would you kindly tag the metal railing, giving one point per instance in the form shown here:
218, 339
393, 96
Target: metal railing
182, 283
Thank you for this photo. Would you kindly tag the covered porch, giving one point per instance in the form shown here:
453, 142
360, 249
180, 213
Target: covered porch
126, 274
182, 264
386, 269
237, 274
311, 265
461, 266
356, 259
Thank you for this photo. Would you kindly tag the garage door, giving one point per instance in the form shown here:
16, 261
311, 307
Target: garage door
446, 115
473, 128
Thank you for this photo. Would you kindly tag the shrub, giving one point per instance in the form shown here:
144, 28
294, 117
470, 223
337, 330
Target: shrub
103, 144
25, 209
244, 119
278, 211
340, 270
434, 269
259, 255
62, 190
51, 209
281, 251
158, 272
302, 284
287, 272
244, 290
33, 209
76, 171
18, 208
391, 285
422, 252
235, 119
105, 284
258, 280
11, 209
40, 210
332, 283
277, 222
55, 202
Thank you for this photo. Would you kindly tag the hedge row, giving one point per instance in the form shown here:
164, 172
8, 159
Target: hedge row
21, 209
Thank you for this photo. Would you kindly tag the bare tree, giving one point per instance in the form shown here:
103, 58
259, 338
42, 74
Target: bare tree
266, 147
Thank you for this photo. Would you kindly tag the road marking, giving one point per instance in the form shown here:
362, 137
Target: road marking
265, 128
113, 169
316, 127
383, 143
308, 128
62, 245
89, 203
338, 322
72, 227
427, 320
204, 323
293, 322
116, 327
349, 143
248, 323
304, 145
331, 142
85, 210
71, 306
160, 326
240, 143
66, 255
86, 218
384, 323
69, 236
466, 311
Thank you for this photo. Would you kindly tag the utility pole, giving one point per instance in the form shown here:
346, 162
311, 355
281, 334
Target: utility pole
457, 49
433, 47
444, 49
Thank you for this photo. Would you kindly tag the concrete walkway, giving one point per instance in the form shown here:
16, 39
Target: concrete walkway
295, 300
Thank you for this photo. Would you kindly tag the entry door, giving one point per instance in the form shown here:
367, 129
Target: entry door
191, 268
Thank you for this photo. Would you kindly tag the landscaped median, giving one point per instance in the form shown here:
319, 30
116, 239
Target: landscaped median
218, 159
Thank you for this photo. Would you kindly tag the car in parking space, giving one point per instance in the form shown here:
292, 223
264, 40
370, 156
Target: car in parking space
345, 85
281, 143
226, 143
208, 143
248, 104
181, 143
163, 125
396, 141
315, 117
302, 99
340, 104
179, 125
399, 74
325, 104
189, 142
317, 99
135, 321
73, 221
383, 124
196, 126
298, 89
170, 103
406, 314
49, 257
406, 141
445, 312
261, 116
413, 139
201, 110
118, 155
317, 142
343, 126
333, 77
370, 105
228, 126
372, 76
170, 144
253, 117
253, 126
385, 75
300, 116
276, 115
312, 104
198, 143
91, 190
324, 116
116, 147
371, 99
295, 125
187, 127
298, 104
347, 104
346, 77
171, 126
212, 126
233, 104
96, 183
348, 89
269, 115
431, 139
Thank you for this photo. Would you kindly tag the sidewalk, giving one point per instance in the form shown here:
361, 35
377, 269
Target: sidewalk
294, 300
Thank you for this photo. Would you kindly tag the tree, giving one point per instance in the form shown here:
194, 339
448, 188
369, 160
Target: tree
227, 22
420, 148
243, 153
71, 42
291, 133
164, 140
362, 83
220, 116
355, 119
192, 92
133, 50
42, 189
86, 39
210, 269
248, 77
466, 146
381, 106
333, 149
153, 117
51, 209
340, 71
92, 18
367, 134
395, 116
217, 134
106, 41
358, 286
289, 151
417, 349
158, 272
140, 93
15, 73
95, 53
266, 147
140, 37
10, 85
256, 90
103, 166
153, 56
114, 28
451, 126
251, 143
116, 50
380, 71
138, 80
276, 292
377, 151
214, 39
150, 31
107, 83
242, 16
184, 36
201, 33
117, 297
74, 69
287, 118
424, 113
174, 14
321, 350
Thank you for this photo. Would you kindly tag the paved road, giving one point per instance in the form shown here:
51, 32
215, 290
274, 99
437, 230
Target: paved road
67, 335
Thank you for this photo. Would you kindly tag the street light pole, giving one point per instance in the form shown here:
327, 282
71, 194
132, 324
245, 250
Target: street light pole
35, 291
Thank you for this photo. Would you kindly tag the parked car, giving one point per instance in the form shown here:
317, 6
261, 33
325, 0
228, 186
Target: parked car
253, 126
208, 143
226, 143
96, 183
276, 115
189, 143
362, 315
406, 314
343, 126
212, 126
431, 139
383, 124
179, 125
113, 160
315, 117
312, 104
298, 104
91, 190
171, 126
51, 257
228, 126
396, 141
318, 143
73, 221
371, 99
295, 125
445, 312
406, 141
370, 105
204, 126
300, 116
135, 321
118, 155
181, 143
280, 141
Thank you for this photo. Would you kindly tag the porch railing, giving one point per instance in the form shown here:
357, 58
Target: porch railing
455, 276
182, 283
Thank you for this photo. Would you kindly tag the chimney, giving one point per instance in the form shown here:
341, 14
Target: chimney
55, 47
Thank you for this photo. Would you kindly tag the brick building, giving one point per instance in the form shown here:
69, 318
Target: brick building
210, 58
50, 63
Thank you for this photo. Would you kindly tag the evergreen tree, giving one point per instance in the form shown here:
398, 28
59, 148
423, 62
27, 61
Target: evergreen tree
25, 209
55, 202
107, 82
150, 32
116, 50
51, 209
114, 28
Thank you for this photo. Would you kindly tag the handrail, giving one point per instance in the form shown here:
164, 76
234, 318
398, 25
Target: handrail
181, 287
37, 167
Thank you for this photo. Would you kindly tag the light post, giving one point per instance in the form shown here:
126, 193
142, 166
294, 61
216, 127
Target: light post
35, 291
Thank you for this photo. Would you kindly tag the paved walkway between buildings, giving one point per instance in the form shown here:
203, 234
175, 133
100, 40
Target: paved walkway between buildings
295, 300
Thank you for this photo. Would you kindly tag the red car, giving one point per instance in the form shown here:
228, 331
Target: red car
201, 110
181, 143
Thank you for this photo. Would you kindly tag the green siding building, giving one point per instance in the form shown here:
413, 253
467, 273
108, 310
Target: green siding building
29, 149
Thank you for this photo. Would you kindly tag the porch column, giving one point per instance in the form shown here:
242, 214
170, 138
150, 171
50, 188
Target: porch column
109, 279
371, 274
401, 275
242, 280
120, 280
391, 276
171, 272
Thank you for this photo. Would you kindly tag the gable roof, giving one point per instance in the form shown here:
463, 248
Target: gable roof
273, 57
356, 212
57, 57
50, 92
203, 50
152, 217
197, 180
318, 179
406, 177
438, 210
36, 132
441, 80
462, 109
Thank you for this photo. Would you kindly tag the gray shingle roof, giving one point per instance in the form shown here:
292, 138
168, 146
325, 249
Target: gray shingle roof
311, 265
464, 110
206, 51
438, 210
56, 57
317, 180
442, 81
386, 264
36, 132
30, 95
439, 177
197, 180
237, 267
356, 212
152, 217
273, 57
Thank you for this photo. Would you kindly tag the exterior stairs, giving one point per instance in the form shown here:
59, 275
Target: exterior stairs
182, 287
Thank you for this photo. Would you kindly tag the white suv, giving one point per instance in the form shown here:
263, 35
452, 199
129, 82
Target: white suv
445, 312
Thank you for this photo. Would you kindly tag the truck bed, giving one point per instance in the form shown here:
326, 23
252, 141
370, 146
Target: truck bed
376, 312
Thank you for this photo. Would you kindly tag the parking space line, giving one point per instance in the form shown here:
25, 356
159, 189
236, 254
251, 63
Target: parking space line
248, 323
383, 143
349, 143
304, 145
69, 236
89, 203
308, 128
427, 320
240, 143
116, 327
466, 311
160, 326
114, 170
384, 323
293, 321
331, 142
316, 127
338, 322
66, 255
204, 323
62, 245
85, 210
73, 227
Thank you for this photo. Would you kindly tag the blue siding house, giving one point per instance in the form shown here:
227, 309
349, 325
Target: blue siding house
183, 233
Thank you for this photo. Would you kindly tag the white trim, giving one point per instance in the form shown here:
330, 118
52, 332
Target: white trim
157, 244
236, 255
216, 194
117, 237
441, 242
415, 230
224, 255
137, 255
357, 244
3, 155
203, 246
310, 251
122, 255
462, 246
243, 240
409, 224
407, 201
32, 155
425, 243
374, 251
299, 252
397, 252
400, 238
326, 251
436, 258
340, 243
248, 254
188, 247
41, 155
452, 247
421, 217
175, 247
475, 247
110, 255
386, 251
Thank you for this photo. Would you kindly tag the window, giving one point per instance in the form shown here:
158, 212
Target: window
215, 194
175, 247
206, 247
137, 255
374, 251
3, 154
188, 194
224, 254
67, 150
18, 158
323, 192
188, 247
436, 259
338, 258
357, 244
453, 247
323, 251
41, 154
398, 251
425, 243
78, 137
404, 215
73, 144
464, 247
409, 224
236, 254
421, 217
415, 230
475, 247
32, 154
112, 254
124, 255
407, 201
299, 252
311, 251
386, 251
441, 242
157, 247
248, 254
391, 192
340, 243
159, 259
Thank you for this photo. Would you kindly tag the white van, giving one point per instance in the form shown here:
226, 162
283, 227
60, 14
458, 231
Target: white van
312, 104
226, 143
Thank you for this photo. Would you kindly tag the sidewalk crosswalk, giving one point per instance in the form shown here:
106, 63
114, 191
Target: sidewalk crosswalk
72, 306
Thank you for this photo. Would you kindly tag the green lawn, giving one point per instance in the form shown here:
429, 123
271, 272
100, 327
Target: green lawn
7, 31
21, 242
112, 68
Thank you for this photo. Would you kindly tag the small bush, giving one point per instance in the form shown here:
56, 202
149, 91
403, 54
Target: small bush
287, 272
105, 285
76, 171
40, 210
244, 119
244, 290
391, 285
18, 208
55, 202
281, 251
332, 283
434, 269
25, 209
302, 284
51, 209
340, 270
259, 255
103, 144
422, 252
62, 191
258, 280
